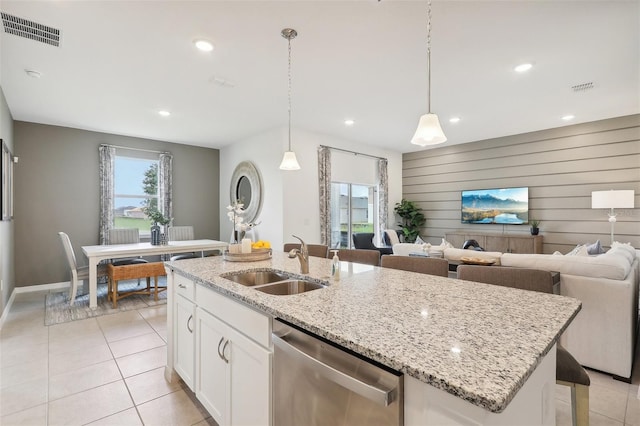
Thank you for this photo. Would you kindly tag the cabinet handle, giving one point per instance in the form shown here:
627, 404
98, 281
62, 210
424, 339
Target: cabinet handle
182, 286
188, 321
219, 343
224, 348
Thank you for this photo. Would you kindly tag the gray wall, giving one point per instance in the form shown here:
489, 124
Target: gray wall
560, 166
6, 227
57, 190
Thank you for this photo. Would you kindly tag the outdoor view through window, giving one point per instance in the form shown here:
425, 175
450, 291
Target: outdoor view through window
136, 187
352, 210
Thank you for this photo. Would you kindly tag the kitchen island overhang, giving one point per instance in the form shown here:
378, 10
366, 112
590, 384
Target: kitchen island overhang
478, 342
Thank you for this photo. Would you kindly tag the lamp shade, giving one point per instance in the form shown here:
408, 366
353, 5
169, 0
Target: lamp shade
289, 161
618, 199
429, 131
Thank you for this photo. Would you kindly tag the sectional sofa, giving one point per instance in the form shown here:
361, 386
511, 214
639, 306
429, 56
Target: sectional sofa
603, 334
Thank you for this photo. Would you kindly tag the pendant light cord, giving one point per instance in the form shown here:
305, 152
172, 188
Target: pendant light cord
429, 57
289, 93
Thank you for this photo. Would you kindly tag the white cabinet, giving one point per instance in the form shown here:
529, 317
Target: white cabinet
233, 374
222, 351
183, 330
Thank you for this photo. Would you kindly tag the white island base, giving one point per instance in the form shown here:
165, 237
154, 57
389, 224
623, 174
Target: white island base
534, 404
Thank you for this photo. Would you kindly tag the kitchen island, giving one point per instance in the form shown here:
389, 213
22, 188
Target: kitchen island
470, 352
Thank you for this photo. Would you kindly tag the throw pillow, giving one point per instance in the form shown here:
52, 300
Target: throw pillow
446, 244
580, 250
595, 248
419, 240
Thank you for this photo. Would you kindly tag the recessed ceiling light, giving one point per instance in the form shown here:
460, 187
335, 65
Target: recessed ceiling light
33, 73
164, 113
204, 45
568, 117
349, 123
454, 119
523, 67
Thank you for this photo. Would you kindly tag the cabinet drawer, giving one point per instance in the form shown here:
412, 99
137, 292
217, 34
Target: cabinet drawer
184, 286
243, 318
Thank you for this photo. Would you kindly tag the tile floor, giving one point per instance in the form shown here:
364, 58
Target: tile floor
109, 371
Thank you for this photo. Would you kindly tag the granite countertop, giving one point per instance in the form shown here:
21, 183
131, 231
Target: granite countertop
476, 341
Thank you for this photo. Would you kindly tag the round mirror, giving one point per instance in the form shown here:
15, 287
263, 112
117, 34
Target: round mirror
243, 191
246, 187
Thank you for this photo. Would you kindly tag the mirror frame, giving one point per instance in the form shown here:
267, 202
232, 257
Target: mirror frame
247, 170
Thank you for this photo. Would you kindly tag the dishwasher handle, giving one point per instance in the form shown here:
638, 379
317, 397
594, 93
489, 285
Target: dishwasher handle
380, 396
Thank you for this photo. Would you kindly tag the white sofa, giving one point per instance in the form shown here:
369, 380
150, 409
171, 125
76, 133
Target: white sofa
602, 336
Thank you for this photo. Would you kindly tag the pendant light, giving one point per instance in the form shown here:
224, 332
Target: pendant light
289, 161
429, 131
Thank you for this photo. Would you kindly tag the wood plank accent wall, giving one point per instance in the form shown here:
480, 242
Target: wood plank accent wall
560, 166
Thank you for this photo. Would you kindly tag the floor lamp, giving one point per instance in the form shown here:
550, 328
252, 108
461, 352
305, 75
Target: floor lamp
618, 199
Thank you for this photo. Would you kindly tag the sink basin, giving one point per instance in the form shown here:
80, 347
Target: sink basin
255, 278
289, 287
274, 282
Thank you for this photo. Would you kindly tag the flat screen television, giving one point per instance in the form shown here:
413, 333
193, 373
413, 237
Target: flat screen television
508, 206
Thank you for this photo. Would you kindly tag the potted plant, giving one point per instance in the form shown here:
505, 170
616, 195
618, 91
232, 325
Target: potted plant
534, 226
157, 219
412, 219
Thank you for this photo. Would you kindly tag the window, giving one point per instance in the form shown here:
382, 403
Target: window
135, 187
353, 210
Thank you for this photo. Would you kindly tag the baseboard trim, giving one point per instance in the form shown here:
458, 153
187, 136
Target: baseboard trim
29, 289
41, 287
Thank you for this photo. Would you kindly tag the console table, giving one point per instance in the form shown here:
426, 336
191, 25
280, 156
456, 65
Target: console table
505, 243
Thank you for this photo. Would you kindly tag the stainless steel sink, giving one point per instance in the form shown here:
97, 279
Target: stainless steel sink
274, 282
254, 278
286, 288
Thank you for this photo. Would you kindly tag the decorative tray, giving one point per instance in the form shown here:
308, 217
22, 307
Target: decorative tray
477, 261
254, 256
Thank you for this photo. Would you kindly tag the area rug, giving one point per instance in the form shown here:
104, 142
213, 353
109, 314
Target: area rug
58, 310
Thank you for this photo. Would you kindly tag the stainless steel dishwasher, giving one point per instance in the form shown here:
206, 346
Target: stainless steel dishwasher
317, 383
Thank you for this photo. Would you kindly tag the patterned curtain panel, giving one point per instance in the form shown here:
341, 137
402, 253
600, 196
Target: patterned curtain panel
106, 169
165, 182
324, 178
383, 198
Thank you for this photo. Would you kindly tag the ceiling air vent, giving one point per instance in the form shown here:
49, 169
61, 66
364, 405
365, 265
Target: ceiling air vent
31, 30
582, 87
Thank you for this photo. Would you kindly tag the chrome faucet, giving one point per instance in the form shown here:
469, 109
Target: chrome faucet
302, 254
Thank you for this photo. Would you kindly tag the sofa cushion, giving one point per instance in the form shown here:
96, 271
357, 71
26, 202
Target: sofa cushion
613, 266
625, 250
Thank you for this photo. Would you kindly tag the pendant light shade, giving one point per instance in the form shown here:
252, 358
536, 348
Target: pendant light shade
289, 161
429, 131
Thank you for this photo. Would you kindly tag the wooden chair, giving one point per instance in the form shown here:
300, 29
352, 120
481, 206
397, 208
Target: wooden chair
368, 257
423, 265
568, 371
134, 271
316, 250
77, 273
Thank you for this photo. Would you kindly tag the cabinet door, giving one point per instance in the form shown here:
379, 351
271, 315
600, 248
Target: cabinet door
521, 245
212, 384
250, 381
184, 340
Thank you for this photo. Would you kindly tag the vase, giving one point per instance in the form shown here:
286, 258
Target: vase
155, 234
535, 230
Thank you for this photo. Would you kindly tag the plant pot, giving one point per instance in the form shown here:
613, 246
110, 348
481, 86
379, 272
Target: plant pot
535, 230
155, 234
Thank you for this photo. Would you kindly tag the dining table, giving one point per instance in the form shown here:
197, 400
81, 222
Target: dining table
96, 254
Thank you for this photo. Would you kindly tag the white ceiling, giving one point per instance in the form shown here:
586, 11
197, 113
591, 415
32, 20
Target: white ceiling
119, 62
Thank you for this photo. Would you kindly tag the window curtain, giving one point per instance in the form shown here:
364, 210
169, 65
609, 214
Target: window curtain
324, 178
165, 185
106, 169
383, 198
